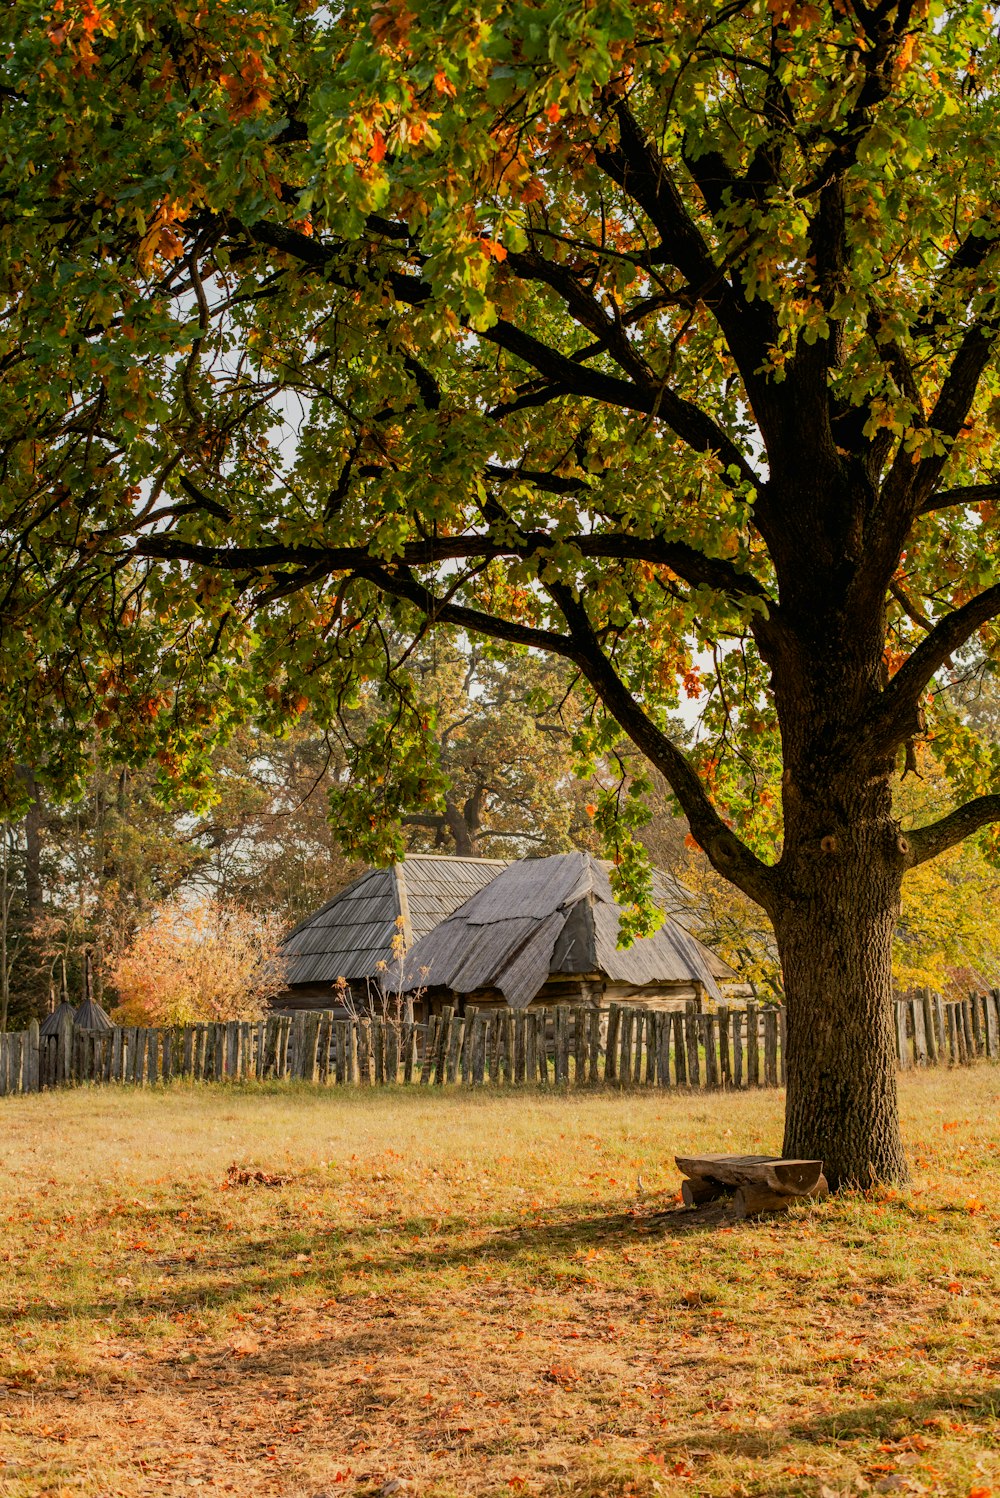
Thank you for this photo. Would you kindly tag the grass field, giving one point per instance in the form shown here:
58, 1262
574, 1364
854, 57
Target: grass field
476, 1295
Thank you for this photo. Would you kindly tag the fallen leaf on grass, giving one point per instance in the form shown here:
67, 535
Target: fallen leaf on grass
236, 1175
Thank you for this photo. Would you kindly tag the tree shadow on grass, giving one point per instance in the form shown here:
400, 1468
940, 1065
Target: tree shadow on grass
294, 1259
866, 1433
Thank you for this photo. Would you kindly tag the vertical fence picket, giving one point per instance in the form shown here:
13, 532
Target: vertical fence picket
753, 1047
680, 1048
899, 1016
612, 1043
771, 1047
710, 1026
967, 1030
992, 1024
725, 1066
691, 1039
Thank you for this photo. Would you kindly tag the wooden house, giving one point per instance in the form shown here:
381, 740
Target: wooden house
356, 935
545, 931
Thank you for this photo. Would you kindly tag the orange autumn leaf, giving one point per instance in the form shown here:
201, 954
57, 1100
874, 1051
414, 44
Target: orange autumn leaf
376, 151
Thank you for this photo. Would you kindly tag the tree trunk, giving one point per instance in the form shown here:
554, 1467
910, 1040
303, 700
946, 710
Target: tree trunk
835, 932
465, 845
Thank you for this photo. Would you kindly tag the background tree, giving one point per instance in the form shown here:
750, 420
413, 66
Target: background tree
634, 334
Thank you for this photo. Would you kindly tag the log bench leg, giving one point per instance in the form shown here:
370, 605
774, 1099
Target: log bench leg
695, 1193
755, 1201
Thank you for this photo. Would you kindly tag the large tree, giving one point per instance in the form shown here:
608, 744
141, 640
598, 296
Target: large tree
618, 332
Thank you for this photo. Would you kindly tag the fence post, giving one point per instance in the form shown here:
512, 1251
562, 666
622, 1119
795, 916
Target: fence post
32, 1060
771, 1047
900, 1018
691, 1042
709, 1025
753, 1047
64, 1050
991, 1022
930, 1029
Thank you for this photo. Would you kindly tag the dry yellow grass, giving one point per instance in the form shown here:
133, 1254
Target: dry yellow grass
474, 1296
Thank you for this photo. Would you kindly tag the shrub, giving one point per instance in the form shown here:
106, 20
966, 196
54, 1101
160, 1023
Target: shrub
213, 961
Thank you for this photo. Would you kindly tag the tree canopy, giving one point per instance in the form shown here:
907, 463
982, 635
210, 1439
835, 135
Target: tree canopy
658, 338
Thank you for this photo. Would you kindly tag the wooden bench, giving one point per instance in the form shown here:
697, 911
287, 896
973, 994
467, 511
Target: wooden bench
756, 1183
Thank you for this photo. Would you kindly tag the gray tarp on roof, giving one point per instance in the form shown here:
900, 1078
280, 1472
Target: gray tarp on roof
354, 931
551, 915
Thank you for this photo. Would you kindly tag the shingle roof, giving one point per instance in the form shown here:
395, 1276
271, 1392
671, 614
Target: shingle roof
354, 931
551, 915
50, 1024
90, 1016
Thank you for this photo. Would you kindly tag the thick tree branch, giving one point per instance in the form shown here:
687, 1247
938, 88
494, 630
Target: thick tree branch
727, 852
691, 565
897, 716
928, 842
693, 425
967, 494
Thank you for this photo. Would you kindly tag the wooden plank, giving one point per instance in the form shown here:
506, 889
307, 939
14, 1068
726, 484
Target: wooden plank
612, 1044
409, 1054
930, 1028
444, 1041
530, 1046
737, 1022
310, 1054
229, 1055
919, 1032
680, 1048
782, 1032
624, 1068
976, 1014
466, 1058
992, 1024
456, 1042
560, 1045
753, 1047
663, 1029
351, 1058
755, 1201
595, 1020
378, 1050
65, 1049
952, 1034
770, 1047
691, 1039
725, 1066
941, 1023
709, 1029
4, 1066
477, 1047
32, 1060
430, 1045
153, 1057
651, 1035
965, 1007
899, 1021
541, 1019
362, 1038
324, 1045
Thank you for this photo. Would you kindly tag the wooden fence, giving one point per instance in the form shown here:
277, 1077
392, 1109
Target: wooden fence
623, 1046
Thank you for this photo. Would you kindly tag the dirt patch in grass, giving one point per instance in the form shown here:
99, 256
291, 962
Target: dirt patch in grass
454, 1295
